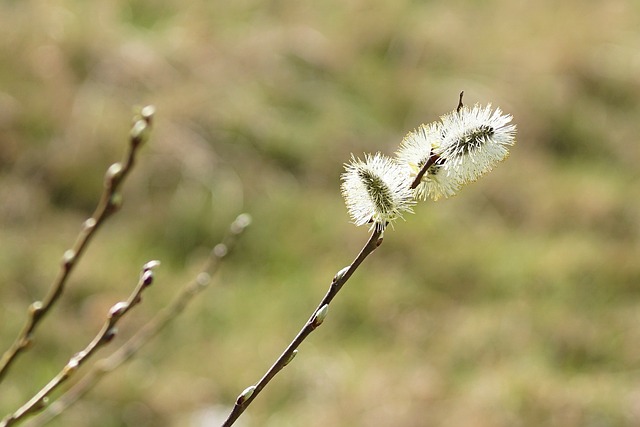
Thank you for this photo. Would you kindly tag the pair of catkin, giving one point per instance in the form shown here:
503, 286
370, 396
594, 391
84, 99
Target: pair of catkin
433, 161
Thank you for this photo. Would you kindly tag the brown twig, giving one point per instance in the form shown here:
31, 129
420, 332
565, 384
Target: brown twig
460, 104
110, 202
433, 157
246, 397
430, 161
130, 348
106, 334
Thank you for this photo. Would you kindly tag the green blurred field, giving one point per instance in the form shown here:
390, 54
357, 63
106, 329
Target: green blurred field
516, 303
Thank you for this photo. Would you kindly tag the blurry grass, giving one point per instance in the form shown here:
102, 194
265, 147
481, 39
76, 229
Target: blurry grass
514, 304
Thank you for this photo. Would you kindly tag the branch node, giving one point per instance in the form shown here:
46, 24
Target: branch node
118, 309
340, 274
110, 334
41, 404
292, 356
220, 250
26, 342
113, 175
203, 279
148, 112
320, 315
240, 223
35, 308
68, 258
115, 202
147, 278
89, 224
138, 131
245, 395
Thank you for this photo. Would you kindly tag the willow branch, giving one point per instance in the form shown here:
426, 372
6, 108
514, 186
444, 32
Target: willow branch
106, 334
148, 331
109, 203
316, 319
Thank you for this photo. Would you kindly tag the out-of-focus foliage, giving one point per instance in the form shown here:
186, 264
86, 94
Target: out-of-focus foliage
516, 303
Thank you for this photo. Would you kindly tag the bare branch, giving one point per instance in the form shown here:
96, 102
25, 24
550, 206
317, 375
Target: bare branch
460, 104
148, 331
109, 203
106, 334
250, 393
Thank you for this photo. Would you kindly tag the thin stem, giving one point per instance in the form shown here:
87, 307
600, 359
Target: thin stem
109, 203
106, 334
433, 157
245, 399
430, 161
460, 104
149, 330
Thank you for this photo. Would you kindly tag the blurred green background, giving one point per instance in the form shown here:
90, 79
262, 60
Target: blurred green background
515, 303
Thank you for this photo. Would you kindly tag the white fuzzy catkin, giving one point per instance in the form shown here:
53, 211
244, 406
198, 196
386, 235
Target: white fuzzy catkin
376, 190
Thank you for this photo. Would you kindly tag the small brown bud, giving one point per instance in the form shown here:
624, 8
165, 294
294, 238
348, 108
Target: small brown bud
35, 308
68, 258
118, 309
137, 130
41, 404
203, 279
240, 223
291, 357
151, 265
245, 395
148, 112
340, 274
320, 315
110, 334
147, 277
89, 224
113, 173
115, 201
71, 367
220, 250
